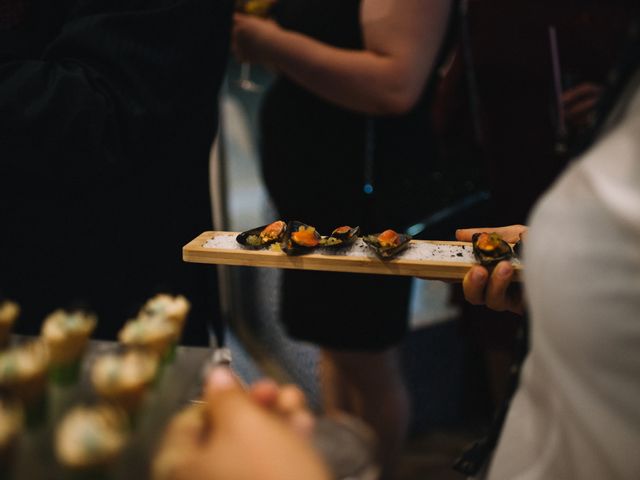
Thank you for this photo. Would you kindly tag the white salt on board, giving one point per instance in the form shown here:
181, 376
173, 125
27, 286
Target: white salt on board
417, 250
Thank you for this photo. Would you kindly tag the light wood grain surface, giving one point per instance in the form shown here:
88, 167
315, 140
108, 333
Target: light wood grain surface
196, 252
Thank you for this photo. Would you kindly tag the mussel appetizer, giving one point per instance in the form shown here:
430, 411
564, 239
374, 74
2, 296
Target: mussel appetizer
388, 243
490, 248
341, 237
264, 236
300, 238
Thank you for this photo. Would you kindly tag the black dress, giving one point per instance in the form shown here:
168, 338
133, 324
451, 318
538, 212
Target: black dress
328, 166
107, 115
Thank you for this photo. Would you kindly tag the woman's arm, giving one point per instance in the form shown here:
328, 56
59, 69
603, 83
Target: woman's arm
401, 43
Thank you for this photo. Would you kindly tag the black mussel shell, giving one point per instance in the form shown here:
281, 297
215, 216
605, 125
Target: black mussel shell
517, 249
385, 249
341, 237
295, 244
490, 256
262, 237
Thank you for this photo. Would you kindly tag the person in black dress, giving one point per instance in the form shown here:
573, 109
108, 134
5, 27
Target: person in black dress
107, 116
346, 140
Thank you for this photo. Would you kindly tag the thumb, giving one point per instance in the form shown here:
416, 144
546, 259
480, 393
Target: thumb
221, 379
221, 384
226, 399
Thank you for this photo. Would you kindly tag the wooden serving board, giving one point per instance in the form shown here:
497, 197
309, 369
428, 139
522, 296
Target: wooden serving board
436, 260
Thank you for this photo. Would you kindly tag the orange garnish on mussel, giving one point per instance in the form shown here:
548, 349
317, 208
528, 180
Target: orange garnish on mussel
389, 238
388, 243
262, 237
300, 238
341, 230
307, 237
273, 231
340, 237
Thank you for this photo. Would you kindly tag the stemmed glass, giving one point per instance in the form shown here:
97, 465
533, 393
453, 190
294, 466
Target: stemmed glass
262, 9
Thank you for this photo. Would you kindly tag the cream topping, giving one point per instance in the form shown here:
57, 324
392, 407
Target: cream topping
121, 371
174, 308
9, 311
91, 435
147, 329
61, 324
23, 361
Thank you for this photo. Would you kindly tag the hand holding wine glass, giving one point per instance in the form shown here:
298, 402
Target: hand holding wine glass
256, 8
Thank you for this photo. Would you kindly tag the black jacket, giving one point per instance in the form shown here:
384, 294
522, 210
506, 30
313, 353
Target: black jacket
108, 109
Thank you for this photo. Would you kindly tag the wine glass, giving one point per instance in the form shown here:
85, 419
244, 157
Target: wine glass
262, 9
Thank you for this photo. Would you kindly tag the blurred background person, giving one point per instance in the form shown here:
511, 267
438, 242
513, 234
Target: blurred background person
345, 140
522, 70
107, 115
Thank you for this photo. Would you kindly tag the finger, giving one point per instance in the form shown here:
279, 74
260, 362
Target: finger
186, 428
474, 285
243, 429
510, 233
523, 235
496, 297
291, 400
229, 407
303, 423
288, 401
181, 441
265, 392
465, 234
221, 379
221, 384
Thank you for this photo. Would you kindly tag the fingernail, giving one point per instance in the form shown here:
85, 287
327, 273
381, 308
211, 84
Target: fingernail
221, 378
504, 269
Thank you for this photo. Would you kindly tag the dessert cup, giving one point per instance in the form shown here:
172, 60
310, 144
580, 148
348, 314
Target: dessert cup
155, 334
174, 308
124, 377
66, 335
23, 372
89, 440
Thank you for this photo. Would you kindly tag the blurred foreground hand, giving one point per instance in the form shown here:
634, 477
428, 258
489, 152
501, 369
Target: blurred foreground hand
241, 435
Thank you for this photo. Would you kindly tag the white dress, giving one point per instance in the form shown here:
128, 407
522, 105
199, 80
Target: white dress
576, 414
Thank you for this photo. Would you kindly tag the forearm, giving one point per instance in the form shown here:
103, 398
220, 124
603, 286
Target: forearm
355, 79
401, 42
